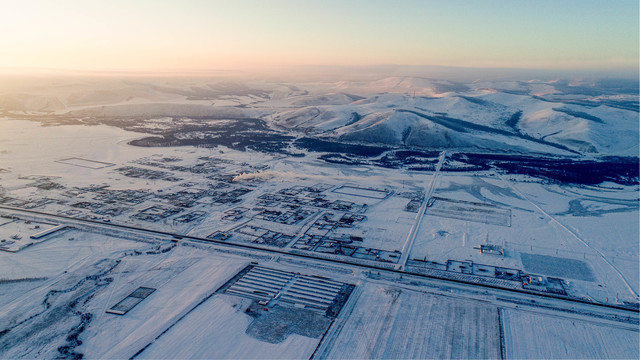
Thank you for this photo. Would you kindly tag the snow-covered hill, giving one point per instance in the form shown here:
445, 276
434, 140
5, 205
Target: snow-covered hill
489, 116
564, 117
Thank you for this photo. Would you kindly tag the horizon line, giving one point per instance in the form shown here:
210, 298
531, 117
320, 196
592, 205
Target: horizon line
255, 70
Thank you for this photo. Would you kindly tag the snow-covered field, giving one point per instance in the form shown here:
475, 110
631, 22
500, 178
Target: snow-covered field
217, 329
394, 323
285, 204
541, 222
534, 336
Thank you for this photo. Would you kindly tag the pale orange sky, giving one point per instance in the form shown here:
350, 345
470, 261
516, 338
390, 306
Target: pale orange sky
198, 34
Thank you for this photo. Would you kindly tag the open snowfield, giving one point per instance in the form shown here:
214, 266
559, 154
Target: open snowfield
218, 329
182, 278
534, 336
537, 226
392, 323
177, 188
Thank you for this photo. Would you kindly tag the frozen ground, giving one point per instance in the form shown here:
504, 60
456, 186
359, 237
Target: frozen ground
391, 323
534, 336
184, 318
287, 205
537, 226
218, 329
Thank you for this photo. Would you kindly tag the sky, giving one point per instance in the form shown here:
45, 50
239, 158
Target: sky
159, 35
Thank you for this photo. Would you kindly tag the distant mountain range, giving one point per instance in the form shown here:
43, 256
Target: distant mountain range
561, 117
507, 116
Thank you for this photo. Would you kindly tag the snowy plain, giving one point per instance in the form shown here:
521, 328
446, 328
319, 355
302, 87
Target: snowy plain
54, 294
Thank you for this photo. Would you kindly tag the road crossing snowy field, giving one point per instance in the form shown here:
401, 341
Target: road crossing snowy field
277, 244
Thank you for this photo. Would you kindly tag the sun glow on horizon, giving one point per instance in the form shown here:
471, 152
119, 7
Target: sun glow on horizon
163, 35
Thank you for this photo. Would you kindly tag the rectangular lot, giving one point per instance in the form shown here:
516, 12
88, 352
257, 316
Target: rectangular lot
470, 211
556, 266
534, 336
363, 192
394, 323
85, 163
17, 234
128, 303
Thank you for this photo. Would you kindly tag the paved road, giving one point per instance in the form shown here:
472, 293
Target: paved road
522, 296
411, 238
